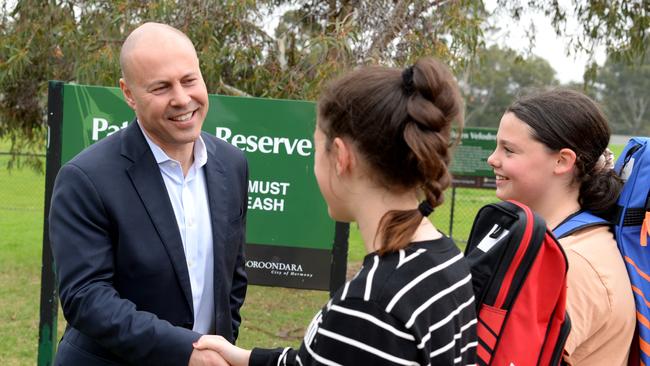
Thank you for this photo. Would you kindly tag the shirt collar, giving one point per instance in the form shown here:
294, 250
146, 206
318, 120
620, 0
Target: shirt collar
200, 152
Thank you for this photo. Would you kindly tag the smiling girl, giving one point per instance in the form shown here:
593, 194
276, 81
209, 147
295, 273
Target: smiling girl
552, 155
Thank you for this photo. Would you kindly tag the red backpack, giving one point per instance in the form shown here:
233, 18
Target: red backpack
519, 277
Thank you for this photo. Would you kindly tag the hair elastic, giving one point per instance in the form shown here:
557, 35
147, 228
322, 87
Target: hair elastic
407, 80
605, 161
425, 208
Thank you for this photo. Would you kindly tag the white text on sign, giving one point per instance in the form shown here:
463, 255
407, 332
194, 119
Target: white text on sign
261, 187
266, 144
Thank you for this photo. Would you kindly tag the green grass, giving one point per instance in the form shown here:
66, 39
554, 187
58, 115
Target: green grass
21, 230
617, 150
277, 317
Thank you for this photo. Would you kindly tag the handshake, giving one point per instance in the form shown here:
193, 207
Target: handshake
214, 350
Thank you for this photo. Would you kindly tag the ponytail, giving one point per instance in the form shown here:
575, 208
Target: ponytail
401, 122
599, 189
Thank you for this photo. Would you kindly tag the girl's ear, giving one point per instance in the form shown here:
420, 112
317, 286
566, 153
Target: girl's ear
566, 160
343, 156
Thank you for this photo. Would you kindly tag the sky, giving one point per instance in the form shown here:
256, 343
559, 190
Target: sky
547, 44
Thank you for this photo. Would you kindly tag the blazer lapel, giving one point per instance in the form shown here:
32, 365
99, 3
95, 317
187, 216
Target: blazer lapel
216, 183
148, 182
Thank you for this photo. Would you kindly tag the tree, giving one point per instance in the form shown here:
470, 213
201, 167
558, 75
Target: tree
623, 90
622, 26
502, 75
79, 41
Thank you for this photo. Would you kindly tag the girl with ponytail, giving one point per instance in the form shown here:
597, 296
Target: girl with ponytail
382, 153
552, 155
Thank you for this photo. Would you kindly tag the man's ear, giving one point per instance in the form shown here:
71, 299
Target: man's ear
343, 156
128, 95
566, 160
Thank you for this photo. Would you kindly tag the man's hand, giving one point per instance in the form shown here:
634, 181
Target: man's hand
206, 357
234, 355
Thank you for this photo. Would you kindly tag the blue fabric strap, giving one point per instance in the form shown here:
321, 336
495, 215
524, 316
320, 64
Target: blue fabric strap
577, 222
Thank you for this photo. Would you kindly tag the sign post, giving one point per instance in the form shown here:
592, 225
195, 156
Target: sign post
49, 299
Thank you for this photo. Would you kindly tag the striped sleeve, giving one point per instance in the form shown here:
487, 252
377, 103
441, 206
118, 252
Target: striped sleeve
352, 332
273, 357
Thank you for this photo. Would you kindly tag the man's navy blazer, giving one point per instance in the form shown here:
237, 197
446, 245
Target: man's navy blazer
123, 279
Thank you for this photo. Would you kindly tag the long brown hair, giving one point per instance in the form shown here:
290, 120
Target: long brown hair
400, 121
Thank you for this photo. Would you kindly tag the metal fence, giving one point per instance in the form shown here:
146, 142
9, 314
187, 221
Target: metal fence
456, 216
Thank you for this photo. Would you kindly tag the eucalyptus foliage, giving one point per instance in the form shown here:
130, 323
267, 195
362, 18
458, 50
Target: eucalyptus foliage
624, 92
503, 76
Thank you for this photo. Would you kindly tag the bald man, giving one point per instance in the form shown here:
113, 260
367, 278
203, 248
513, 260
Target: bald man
147, 226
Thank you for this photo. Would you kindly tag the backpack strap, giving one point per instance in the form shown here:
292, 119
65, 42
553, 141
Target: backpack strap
578, 221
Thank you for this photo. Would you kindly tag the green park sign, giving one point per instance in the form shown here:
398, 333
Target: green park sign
469, 165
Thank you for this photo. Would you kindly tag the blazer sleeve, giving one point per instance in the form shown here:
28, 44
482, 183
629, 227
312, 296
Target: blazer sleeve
239, 279
82, 241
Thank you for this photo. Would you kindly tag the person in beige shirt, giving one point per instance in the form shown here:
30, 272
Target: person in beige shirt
552, 155
599, 300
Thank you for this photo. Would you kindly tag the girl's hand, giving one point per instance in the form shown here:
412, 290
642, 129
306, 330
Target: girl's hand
232, 354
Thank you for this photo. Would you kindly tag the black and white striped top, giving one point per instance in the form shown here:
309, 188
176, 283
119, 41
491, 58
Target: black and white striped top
412, 307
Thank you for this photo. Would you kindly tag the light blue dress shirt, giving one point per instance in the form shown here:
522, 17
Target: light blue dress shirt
189, 198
